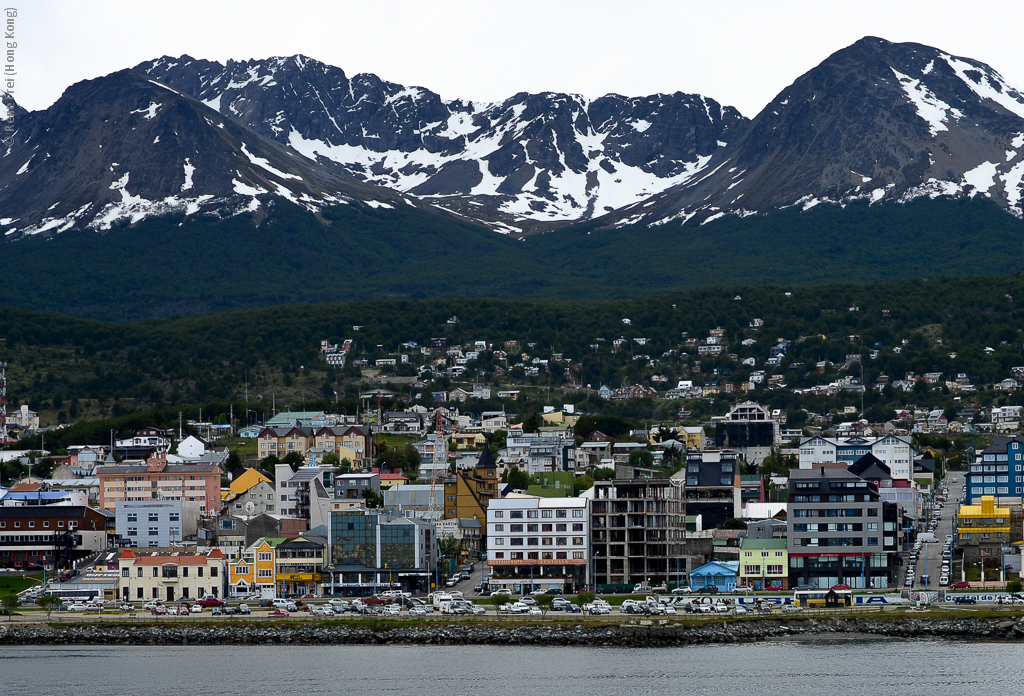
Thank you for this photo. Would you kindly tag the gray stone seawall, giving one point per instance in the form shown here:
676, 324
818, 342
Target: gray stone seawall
438, 633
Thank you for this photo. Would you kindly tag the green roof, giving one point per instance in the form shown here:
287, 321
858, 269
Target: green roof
289, 417
762, 543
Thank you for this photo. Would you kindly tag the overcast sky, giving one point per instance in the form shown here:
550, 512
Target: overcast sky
740, 53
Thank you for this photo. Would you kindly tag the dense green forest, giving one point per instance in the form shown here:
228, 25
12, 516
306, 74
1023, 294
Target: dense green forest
76, 369
184, 266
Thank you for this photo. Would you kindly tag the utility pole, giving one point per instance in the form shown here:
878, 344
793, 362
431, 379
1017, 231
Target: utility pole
4, 437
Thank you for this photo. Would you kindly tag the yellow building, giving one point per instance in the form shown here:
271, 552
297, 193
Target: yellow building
984, 529
256, 568
694, 437
242, 483
468, 440
560, 418
764, 564
279, 441
467, 493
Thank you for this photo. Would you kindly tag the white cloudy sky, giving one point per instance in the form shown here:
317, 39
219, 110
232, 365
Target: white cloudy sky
740, 52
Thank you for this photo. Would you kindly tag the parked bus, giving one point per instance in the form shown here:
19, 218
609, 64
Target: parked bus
821, 599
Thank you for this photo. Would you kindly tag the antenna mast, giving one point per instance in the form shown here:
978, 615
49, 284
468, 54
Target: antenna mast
4, 437
439, 468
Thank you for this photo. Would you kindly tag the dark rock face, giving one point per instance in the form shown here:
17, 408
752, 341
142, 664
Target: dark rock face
528, 160
122, 147
874, 121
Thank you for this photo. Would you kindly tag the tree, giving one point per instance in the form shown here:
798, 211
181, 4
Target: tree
372, 499
1014, 586
734, 523
517, 478
331, 459
233, 463
532, 423
10, 602
293, 459
497, 601
48, 603
585, 598
449, 546
268, 463
603, 473
582, 483
641, 458
544, 601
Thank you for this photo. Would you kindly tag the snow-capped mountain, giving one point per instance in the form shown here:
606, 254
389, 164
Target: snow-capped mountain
528, 161
124, 147
875, 121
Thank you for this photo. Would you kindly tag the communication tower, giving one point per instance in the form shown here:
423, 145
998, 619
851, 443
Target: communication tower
4, 437
439, 468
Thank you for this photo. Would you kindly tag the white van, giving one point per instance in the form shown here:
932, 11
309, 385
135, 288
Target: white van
286, 604
927, 537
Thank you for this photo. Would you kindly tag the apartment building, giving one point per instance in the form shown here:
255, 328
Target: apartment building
638, 531
151, 522
468, 493
170, 577
713, 489
371, 549
538, 543
895, 451
764, 564
49, 535
985, 528
998, 471
155, 479
841, 531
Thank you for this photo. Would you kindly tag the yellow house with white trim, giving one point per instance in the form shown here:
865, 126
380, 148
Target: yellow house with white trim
254, 570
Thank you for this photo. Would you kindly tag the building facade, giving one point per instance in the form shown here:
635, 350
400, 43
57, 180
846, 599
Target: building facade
638, 531
155, 479
150, 522
171, 577
764, 564
840, 531
373, 549
538, 543
895, 451
998, 471
50, 535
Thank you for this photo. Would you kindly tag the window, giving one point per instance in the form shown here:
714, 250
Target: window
133, 517
516, 555
577, 541
515, 527
561, 541
516, 541
31, 524
499, 555
532, 514
548, 541
774, 570
516, 514
577, 526
213, 572
499, 528
498, 514
154, 531
500, 541
560, 513
531, 528
139, 574
154, 517
545, 513
133, 531
184, 572
872, 526
545, 528
577, 513
124, 573
872, 541
577, 555
560, 527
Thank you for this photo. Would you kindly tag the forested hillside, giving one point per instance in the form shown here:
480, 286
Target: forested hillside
70, 369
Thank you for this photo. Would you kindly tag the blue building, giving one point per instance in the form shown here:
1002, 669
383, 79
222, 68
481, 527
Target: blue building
999, 472
718, 574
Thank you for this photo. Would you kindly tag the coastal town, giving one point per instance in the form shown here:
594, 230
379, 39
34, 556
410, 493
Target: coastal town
519, 514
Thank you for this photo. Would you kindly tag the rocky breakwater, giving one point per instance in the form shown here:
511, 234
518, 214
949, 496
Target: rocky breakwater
497, 633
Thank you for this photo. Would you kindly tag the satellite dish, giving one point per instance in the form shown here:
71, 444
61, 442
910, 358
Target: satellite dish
250, 508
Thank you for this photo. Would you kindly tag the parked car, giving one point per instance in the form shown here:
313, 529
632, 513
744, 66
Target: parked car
527, 599
840, 586
535, 611
964, 600
158, 610
183, 610
127, 607
281, 612
792, 608
244, 609
803, 587
218, 611
197, 608
963, 585
285, 604
210, 601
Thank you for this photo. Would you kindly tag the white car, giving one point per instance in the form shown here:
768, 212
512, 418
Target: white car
339, 604
418, 611
791, 608
197, 608
682, 590
535, 611
78, 606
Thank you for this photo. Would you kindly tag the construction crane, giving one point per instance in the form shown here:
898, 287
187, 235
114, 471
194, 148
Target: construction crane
439, 465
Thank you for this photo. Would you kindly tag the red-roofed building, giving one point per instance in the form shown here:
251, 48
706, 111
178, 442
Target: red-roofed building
171, 577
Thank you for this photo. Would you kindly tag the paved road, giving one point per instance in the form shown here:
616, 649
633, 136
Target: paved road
929, 560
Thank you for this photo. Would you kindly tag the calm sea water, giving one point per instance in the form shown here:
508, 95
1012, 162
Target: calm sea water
793, 668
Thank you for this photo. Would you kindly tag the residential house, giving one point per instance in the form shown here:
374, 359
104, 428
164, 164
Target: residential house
720, 575
254, 571
895, 451
764, 564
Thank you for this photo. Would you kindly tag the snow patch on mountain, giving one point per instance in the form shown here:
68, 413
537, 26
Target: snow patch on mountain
982, 177
929, 107
997, 89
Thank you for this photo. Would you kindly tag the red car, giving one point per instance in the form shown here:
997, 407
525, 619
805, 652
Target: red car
281, 612
210, 601
961, 585
840, 587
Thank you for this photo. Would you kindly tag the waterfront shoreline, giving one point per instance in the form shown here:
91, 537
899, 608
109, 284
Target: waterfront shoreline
438, 633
